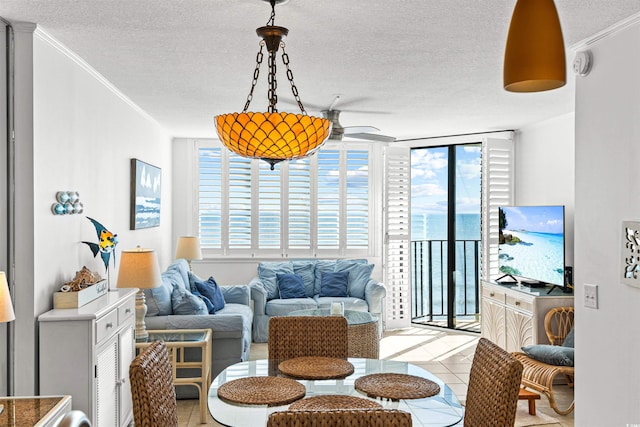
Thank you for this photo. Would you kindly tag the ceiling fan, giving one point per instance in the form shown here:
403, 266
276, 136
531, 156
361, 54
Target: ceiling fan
338, 131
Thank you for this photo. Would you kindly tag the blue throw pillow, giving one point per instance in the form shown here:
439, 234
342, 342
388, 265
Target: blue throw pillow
184, 302
290, 286
211, 290
334, 284
306, 270
159, 299
267, 273
569, 340
322, 266
552, 354
206, 301
359, 275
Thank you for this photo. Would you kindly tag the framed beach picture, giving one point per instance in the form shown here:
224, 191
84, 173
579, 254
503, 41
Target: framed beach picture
145, 195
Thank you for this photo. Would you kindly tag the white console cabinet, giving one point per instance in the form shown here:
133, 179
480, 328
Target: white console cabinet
85, 352
513, 316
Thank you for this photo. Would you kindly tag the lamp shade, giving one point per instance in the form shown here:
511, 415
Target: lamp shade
139, 269
188, 248
6, 307
272, 136
534, 58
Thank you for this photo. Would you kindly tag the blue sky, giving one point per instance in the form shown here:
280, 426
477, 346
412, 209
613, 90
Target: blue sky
429, 179
540, 219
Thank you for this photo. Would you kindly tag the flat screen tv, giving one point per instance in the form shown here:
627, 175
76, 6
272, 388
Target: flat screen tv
531, 244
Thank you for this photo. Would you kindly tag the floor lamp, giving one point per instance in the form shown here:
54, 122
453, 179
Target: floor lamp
139, 269
188, 248
6, 307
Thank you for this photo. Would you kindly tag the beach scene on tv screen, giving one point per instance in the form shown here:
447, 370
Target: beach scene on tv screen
531, 242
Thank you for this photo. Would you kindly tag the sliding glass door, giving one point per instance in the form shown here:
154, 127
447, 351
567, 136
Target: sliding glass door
445, 235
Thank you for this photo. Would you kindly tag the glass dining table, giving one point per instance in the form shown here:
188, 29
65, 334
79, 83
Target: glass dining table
440, 410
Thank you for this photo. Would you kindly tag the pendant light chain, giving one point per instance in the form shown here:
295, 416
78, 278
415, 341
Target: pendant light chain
270, 135
273, 84
256, 74
294, 89
272, 18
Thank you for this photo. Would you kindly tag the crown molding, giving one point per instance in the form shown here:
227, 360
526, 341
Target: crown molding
607, 32
50, 40
22, 27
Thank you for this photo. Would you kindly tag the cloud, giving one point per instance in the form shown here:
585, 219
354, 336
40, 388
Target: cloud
428, 160
427, 190
469, 169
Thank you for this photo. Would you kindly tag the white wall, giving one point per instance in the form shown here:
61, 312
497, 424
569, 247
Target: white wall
607, 179
545, 169
84, 135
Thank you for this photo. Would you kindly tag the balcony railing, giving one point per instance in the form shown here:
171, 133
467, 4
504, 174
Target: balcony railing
429, 280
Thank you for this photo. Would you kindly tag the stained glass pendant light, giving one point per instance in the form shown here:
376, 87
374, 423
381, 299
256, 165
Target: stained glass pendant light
272, 136
534, 58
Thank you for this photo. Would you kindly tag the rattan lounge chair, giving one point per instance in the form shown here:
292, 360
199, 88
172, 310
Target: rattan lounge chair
152, 391
339, 418
540, 376
494, 382
302, 336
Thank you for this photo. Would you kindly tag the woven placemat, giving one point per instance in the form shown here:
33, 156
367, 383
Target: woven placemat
396, 386
333, 401
270, 391
316, 368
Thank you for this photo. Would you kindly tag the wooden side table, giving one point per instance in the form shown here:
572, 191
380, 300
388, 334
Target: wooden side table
177, 341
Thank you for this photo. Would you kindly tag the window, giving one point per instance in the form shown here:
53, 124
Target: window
320, 203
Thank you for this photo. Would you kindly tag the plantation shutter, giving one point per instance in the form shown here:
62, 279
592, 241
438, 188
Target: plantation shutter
210, 197
397, 245
328, 199
357, 200
269, 205
239, 202
299, 204
497, 190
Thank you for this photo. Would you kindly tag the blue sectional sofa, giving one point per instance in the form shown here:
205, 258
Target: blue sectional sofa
362, 292
231, 326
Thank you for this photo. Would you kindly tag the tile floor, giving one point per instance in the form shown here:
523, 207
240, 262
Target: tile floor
445, 353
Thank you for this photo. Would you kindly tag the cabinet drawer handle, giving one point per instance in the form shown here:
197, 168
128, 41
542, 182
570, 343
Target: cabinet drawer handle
127, 311
517, 302
109, 325
492, 294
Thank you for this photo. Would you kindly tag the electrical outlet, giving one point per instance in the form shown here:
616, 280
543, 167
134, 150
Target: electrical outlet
591, 296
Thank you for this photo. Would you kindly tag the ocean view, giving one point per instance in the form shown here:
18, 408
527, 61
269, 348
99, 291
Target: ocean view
434, 226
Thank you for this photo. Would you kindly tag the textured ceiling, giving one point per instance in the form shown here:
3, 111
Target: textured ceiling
413, 68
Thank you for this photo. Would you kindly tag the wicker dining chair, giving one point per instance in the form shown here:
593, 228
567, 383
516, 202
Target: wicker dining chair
341, 418
152, 391
494, 383
540, 376
302, 336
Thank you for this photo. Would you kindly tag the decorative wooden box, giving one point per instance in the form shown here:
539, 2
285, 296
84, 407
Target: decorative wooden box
80, 298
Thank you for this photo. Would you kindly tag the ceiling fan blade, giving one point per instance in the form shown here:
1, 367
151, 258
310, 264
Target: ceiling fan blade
371, 137
290, 102
360, 129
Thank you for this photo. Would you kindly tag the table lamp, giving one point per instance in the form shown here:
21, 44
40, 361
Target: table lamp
6, 307
139, 269
188, 248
